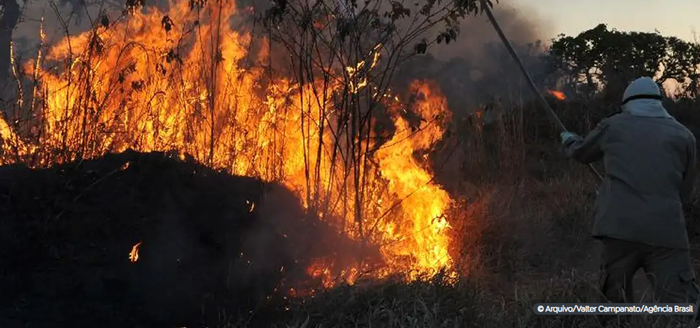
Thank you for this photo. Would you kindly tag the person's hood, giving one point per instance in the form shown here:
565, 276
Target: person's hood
643, 98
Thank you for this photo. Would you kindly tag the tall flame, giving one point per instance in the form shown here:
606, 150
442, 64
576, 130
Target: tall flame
419, 229
133, 87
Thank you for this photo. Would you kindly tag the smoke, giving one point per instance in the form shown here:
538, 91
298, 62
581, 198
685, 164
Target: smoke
477, 44
520, 24
306, 239
476, 68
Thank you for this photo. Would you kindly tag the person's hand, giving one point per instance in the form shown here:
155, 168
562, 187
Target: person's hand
567, 137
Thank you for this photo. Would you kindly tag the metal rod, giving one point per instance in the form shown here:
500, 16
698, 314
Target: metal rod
552, 115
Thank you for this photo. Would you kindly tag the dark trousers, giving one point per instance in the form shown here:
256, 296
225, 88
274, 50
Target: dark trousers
669, 271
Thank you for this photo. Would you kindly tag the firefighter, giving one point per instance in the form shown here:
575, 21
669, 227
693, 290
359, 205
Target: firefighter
650, 166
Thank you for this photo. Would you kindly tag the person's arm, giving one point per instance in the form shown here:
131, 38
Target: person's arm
690, 172
587, 149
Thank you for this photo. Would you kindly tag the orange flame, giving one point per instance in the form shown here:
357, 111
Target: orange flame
557, 94
130, 86
134, 255
419, 229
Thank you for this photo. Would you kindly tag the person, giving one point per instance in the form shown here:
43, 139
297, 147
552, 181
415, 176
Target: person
650, 166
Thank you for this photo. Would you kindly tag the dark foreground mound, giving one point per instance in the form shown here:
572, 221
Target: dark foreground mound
213, 247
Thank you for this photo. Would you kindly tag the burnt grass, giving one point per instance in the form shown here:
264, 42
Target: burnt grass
66, 232
208, 256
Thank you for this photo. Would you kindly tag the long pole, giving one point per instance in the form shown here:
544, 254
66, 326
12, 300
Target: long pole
552, 115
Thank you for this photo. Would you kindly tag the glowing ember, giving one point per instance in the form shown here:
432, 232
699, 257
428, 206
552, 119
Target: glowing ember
131, 87
557, 94
134, 255
320, 270
251, 206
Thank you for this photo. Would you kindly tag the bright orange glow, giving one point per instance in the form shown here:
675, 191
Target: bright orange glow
419, 229
130, 87
557, 94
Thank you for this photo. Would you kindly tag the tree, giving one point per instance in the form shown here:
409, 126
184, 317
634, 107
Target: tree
607, 60
351, 50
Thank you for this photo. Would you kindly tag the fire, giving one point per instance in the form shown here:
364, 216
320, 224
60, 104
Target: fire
131, 86
134, 255
557, 94
419, 229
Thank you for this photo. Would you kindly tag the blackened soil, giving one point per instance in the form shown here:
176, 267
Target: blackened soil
214, 247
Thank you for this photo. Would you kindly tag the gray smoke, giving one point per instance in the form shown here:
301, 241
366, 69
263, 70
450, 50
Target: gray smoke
520, 24
476, 69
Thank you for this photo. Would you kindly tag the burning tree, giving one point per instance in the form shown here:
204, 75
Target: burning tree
349, 51
184, 79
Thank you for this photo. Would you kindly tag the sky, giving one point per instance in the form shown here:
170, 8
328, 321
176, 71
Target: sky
670, 17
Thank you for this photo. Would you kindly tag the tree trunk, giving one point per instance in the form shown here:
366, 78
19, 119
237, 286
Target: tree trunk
10, 16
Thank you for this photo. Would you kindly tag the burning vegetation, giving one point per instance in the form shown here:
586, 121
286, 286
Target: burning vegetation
165, 168
185, 81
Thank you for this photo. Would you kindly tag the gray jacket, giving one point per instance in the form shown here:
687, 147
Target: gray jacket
650, 166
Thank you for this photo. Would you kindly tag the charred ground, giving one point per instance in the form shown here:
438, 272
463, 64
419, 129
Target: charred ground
212, 245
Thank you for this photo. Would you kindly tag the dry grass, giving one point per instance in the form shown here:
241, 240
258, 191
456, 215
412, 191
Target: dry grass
523, 228
526, 234
524, 239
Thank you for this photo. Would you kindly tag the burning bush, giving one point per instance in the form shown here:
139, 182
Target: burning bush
184, 80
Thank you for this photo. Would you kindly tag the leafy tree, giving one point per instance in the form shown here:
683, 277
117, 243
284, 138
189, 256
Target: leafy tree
606, 60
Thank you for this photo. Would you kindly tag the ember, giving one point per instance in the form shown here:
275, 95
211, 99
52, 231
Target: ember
557, 94
134, 255
251, 206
